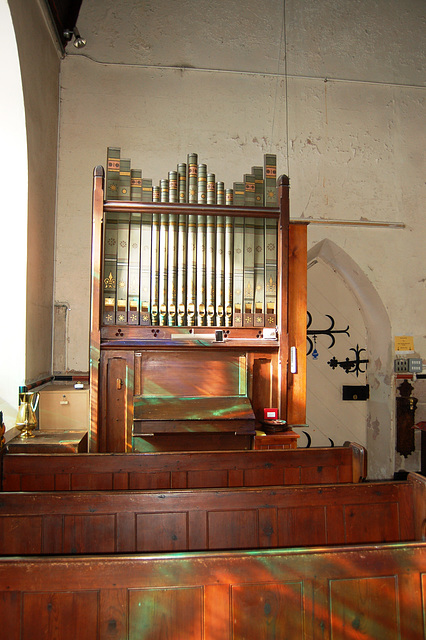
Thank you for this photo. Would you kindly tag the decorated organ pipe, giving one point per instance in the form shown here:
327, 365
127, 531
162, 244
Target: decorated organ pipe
189, 269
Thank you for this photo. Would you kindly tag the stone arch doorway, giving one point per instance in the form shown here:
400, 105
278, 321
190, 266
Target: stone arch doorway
380, 429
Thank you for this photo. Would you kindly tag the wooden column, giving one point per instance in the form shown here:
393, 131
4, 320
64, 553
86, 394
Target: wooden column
95, 304
282, 290
297, 304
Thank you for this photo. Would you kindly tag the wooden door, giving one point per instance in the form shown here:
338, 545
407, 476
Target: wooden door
340, 326
116, 401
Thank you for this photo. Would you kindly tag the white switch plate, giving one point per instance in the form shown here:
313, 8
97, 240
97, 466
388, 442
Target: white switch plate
269, 334
293, 360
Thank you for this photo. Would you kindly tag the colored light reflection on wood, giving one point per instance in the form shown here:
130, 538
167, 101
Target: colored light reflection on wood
356, 593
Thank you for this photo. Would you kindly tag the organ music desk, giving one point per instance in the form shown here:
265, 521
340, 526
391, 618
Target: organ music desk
191, 329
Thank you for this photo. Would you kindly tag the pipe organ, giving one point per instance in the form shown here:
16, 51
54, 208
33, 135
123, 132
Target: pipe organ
180, 269
195, 310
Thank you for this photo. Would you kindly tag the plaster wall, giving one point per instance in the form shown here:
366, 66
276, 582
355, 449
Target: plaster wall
13, 265
40, 68
335, 89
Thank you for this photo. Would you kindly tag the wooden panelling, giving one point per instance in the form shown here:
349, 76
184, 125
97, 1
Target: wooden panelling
177, 520
284, 440
181, 470
75, 614
117, 401
329, 474
200, 479
380, 518
162, 531
351, 593
375, 601
194, 374
192, 415
233, 530
265, 610
22, 534
302, 526
166, 613
262, 389
417, 482
113, 613
171, 442
94, 533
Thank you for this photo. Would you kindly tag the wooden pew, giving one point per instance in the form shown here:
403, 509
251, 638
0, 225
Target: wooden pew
344, 593
182, 470
212, 519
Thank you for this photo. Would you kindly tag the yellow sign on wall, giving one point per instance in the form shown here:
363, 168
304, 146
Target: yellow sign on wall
404, 343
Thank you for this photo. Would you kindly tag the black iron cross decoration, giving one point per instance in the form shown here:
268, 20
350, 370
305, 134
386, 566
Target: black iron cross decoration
350, 366
323, 332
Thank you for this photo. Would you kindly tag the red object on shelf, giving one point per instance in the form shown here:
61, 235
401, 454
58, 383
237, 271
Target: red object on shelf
420, 425
270, 414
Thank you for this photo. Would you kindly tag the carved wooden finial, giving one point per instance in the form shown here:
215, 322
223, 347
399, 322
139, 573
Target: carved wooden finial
98, 171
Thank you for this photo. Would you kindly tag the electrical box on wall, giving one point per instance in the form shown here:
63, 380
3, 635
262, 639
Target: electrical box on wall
415, 365
408, 365
356, 392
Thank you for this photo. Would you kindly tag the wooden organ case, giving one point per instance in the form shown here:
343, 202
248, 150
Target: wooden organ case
188, 368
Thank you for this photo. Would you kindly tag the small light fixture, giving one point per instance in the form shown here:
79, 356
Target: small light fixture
79, 42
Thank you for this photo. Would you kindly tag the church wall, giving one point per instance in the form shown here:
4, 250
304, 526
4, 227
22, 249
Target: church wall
333, 88
40, 68
345, 122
